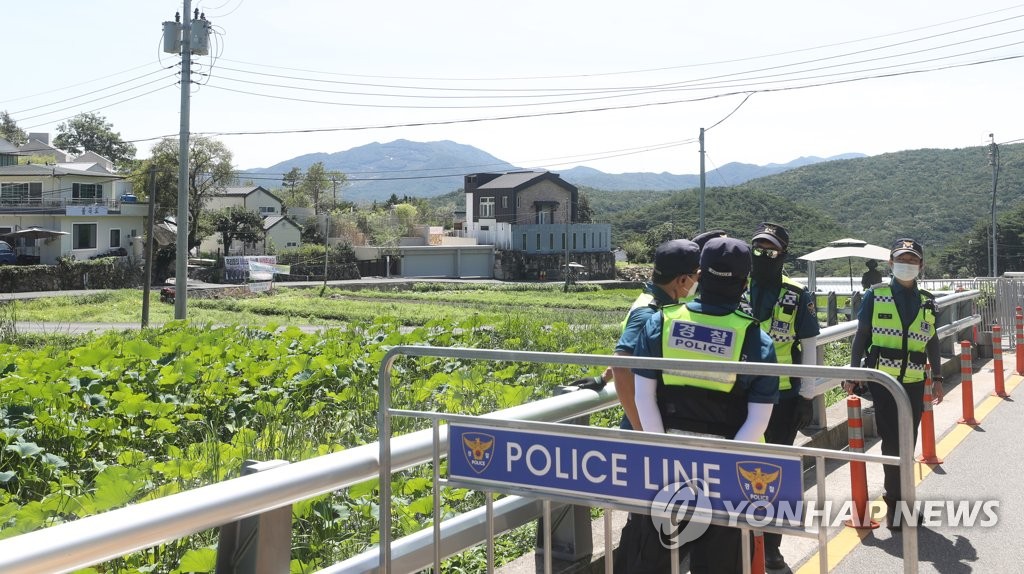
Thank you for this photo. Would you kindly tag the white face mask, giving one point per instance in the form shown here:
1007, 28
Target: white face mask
905, 271
691, 291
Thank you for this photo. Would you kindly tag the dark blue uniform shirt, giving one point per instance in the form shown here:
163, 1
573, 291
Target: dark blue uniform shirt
638, 318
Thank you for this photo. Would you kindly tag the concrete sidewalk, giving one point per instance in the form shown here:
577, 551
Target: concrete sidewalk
998, 456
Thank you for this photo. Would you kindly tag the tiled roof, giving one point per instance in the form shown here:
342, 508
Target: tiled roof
511, 180
39, 170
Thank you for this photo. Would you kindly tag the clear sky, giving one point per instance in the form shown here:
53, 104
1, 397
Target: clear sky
656, 71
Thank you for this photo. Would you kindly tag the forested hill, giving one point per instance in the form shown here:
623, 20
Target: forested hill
938, 196
931, 194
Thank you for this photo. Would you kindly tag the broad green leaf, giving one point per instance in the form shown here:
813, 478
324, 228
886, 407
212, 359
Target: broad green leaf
24, 449
364, 488
201, 560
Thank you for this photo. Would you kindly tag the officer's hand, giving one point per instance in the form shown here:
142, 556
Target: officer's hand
937, 392
851, 386
595, 383
803, 413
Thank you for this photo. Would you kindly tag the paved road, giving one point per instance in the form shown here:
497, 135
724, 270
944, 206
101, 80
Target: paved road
987, 465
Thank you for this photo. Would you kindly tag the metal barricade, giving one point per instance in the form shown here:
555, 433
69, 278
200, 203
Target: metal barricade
905, 460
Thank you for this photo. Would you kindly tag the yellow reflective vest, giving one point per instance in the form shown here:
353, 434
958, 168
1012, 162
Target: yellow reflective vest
697, 336
897, 351
781, 326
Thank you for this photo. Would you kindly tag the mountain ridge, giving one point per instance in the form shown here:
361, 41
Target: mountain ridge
428, 169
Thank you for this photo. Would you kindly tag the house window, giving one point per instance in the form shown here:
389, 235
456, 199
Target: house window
504, 202
543, 217
267, 209
519, 202
115, 238
27, 192
86, 191
83, 235
133, 233
291, 244
486, 207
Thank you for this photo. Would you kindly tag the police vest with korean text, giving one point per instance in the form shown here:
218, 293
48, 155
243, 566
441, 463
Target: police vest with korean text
781, 326
702, 402
894, 350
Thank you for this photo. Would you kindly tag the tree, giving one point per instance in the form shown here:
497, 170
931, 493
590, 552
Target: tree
314, 184
209, 172
584, 213
236, 222
291, 181
92, 132
10, 131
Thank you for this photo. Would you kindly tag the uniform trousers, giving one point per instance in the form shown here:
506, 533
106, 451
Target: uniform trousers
887, 425
781, 430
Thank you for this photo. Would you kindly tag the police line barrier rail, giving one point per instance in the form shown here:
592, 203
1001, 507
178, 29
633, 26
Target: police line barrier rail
93, 539
638, 440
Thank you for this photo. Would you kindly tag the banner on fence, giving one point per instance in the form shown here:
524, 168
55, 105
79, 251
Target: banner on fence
258, 267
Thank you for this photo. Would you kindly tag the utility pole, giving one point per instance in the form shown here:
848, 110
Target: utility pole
565, 273
993, 160
700, 224
179, 38
181, 261
150, 224
327, 247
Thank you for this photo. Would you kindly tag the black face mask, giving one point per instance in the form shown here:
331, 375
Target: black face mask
765, 269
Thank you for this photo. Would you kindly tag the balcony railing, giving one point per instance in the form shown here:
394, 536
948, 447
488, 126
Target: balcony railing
46, 205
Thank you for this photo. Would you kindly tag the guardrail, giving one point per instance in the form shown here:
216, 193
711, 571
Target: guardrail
97, 538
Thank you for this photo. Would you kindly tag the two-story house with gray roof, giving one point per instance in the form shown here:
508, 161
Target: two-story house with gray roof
84, 199
531, 219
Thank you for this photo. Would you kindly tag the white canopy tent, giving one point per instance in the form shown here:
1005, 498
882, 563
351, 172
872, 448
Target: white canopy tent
848, 248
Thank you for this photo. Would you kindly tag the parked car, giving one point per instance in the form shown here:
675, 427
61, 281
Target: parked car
7, 254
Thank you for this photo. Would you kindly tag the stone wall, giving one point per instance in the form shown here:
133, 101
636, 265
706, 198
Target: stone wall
106, 273
518, 265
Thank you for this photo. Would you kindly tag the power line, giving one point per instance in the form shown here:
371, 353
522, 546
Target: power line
78, 84
634, 71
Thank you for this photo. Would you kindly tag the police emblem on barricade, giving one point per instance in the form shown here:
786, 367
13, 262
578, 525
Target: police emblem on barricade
759, 481
478, 448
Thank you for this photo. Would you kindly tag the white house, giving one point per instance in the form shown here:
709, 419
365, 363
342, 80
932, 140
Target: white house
254, 198
84, 199
281, 231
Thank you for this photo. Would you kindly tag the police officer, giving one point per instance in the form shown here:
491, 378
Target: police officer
871, 276
675, 276
896, 335
786, 312
730, 406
